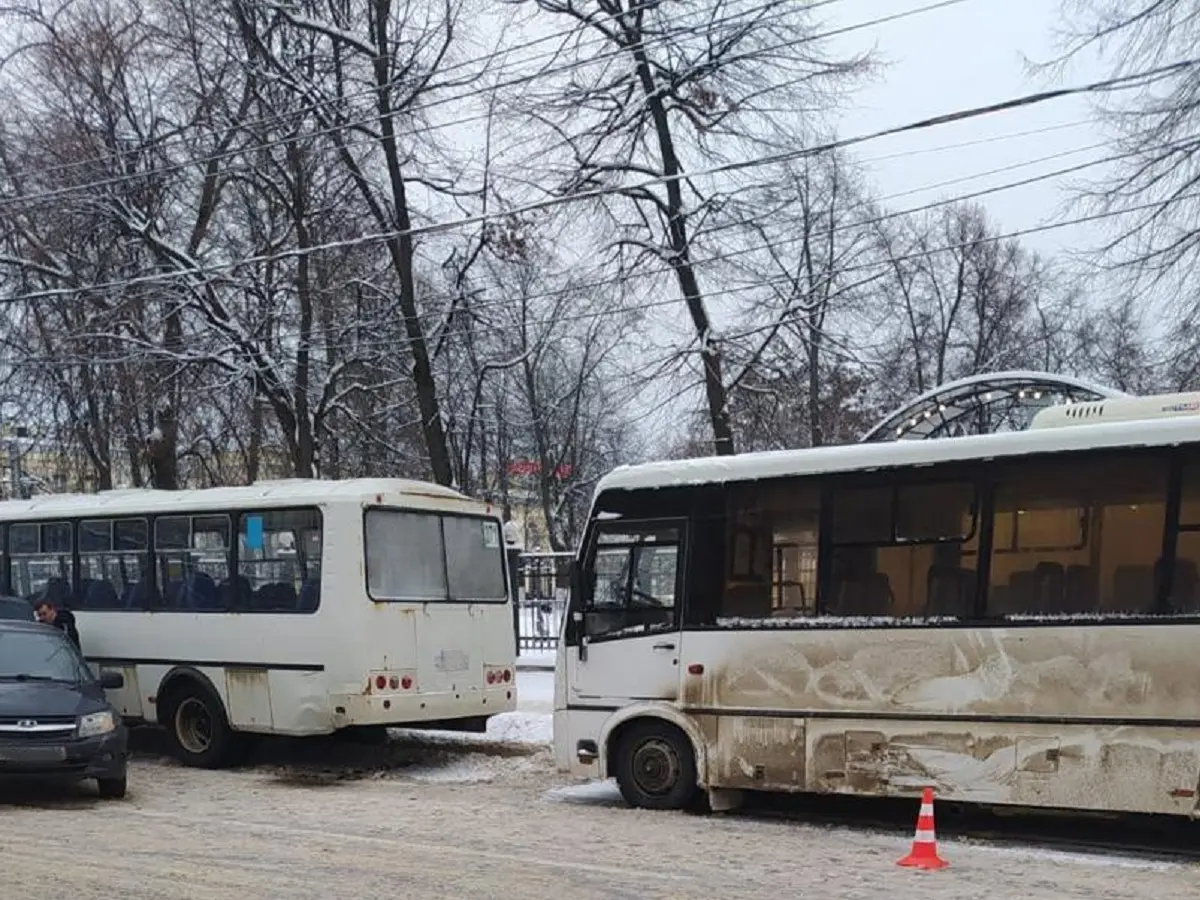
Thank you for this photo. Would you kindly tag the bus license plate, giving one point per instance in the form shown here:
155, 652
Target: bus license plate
452, 661
32, 754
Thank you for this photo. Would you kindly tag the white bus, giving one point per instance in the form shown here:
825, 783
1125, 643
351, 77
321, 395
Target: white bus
1010, 619
294, 607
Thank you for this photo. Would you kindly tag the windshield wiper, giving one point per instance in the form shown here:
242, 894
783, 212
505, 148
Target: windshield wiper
24, 676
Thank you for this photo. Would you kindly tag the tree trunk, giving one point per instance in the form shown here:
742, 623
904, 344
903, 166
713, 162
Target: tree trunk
681, 263
401, 248
162, 451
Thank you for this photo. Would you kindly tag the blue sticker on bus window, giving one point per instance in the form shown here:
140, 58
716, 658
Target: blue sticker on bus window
254, 532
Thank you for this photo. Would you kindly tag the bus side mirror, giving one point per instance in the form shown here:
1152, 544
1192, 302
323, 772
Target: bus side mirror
580, 638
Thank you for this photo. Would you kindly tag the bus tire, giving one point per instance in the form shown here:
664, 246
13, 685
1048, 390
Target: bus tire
198, 730
655, 766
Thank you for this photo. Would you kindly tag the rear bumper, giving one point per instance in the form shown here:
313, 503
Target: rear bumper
105, 756
400, 709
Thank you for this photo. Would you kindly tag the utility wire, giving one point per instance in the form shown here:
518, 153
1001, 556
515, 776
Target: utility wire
159, 355
657, 181
350, 124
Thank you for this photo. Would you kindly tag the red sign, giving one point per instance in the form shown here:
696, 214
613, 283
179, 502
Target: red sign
533, 467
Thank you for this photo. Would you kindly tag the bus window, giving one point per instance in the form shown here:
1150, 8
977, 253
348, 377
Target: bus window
1185, 580
632, 581
279, 560
40, 561
426, 557
1077, 537
904, 551
474, 559
404, 556
193, 561
113, 562
770, 553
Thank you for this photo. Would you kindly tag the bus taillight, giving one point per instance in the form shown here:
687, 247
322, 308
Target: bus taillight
497, 676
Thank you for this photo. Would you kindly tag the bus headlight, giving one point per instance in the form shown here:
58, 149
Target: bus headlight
96, 723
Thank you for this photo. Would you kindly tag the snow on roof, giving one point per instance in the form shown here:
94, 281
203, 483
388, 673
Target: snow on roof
865, 457
283, 492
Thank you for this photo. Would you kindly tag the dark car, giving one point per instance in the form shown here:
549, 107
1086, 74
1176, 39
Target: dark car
54, 718
16, 608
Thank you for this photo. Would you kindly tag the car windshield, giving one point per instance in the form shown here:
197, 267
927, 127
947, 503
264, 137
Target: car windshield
16, 608
37, 656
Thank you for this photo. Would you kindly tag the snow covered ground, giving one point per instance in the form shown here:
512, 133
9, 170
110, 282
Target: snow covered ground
486, 816
536, 659
528, 732
524, 834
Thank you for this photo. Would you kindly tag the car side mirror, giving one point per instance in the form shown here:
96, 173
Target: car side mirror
112, 681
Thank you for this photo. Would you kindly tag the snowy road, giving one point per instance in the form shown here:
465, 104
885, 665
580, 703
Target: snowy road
481, 819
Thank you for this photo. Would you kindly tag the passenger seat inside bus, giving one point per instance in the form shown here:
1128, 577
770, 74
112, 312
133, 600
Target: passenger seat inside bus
863, 594
949, 590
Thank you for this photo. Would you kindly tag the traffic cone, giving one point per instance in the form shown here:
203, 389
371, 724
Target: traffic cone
924, 853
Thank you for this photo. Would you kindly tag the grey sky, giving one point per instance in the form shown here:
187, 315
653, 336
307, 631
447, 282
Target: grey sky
960, 57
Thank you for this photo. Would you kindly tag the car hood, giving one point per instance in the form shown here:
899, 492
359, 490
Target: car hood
33, 699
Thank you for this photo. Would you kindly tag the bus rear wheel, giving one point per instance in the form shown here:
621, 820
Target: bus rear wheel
198, 731
656, 766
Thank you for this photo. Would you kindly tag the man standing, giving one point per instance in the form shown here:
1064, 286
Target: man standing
49, 614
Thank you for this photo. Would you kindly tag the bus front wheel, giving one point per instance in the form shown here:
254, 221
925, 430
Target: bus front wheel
655, 766
197, 728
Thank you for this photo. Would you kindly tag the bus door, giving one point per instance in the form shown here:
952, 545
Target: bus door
624, 637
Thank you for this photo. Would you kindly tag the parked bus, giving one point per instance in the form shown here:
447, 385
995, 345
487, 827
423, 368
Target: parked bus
1010, 619
294, 607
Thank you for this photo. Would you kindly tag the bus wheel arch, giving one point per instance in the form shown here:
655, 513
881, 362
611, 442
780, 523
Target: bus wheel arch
657, 760
197, 725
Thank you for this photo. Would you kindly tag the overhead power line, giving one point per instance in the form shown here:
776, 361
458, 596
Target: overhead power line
959, 115
417, 109
158, 355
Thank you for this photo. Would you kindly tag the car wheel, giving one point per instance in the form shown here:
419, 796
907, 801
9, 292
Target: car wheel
656, 766
111, 788
198, 731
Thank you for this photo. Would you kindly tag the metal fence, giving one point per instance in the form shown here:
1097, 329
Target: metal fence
543, 582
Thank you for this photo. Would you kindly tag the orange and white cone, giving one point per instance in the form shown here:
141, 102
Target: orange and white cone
924, 853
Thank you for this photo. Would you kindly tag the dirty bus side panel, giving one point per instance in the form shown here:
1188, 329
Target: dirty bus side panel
1086, 717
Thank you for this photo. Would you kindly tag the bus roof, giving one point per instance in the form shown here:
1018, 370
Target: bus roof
284, 492
892, 454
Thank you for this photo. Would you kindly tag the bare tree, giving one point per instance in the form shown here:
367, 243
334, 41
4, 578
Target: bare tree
801, 271
669, 87
537, 343
1111, 346
963, 301
375, 63
1154, 192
